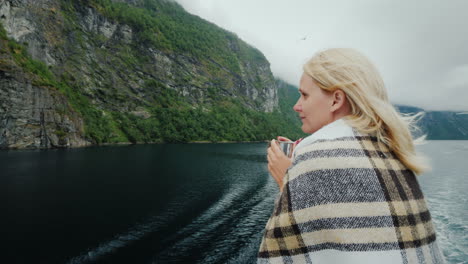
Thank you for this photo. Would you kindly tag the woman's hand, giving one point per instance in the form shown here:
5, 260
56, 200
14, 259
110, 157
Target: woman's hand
278, 162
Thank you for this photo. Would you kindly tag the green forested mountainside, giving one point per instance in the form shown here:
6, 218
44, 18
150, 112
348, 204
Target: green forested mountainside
166, 26
98, 71
172, 118
82, 72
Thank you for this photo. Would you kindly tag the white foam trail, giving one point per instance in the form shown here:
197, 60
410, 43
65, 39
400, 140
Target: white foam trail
120, 241
201, 229
248, 221
134, 234
250, 249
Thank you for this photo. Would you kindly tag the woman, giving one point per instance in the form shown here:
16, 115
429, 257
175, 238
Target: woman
349, 194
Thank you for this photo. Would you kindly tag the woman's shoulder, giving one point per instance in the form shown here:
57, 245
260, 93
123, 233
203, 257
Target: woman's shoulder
340, 148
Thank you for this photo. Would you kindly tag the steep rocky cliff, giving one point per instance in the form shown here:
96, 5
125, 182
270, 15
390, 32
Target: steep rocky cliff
81, 72
32, 115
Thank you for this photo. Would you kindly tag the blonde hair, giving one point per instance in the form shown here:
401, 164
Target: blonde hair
371, 111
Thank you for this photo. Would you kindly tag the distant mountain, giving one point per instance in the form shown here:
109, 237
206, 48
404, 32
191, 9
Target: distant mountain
436, 125
441, 124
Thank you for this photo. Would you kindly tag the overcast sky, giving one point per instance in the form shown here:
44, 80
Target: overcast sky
420, 47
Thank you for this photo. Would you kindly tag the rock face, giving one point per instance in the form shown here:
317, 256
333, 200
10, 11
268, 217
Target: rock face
20, 20
105, 59
35, 117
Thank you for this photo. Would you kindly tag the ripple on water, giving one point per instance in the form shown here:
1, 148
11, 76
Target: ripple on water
445, 191
228, 222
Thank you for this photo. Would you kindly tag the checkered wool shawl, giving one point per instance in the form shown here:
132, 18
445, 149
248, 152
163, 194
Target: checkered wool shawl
348, 199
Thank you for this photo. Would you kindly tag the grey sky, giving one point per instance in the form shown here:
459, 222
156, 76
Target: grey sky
420, 47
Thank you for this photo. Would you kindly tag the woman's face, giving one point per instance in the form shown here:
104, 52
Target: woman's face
314, 105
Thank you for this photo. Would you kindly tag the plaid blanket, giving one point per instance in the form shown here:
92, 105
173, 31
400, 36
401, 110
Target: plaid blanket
348, 199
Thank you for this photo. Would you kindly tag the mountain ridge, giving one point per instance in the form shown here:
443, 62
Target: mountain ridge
128, 73
90, 72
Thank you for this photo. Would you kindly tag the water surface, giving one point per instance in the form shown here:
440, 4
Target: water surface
174, 203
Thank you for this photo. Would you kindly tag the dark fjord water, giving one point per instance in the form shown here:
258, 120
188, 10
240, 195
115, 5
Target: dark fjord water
188, 203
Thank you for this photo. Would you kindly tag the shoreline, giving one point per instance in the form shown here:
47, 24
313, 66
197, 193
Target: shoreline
150, 143
130, 143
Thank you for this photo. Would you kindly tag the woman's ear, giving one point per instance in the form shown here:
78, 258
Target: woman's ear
339, 99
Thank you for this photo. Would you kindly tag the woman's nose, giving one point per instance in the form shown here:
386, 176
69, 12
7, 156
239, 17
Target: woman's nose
297, 107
